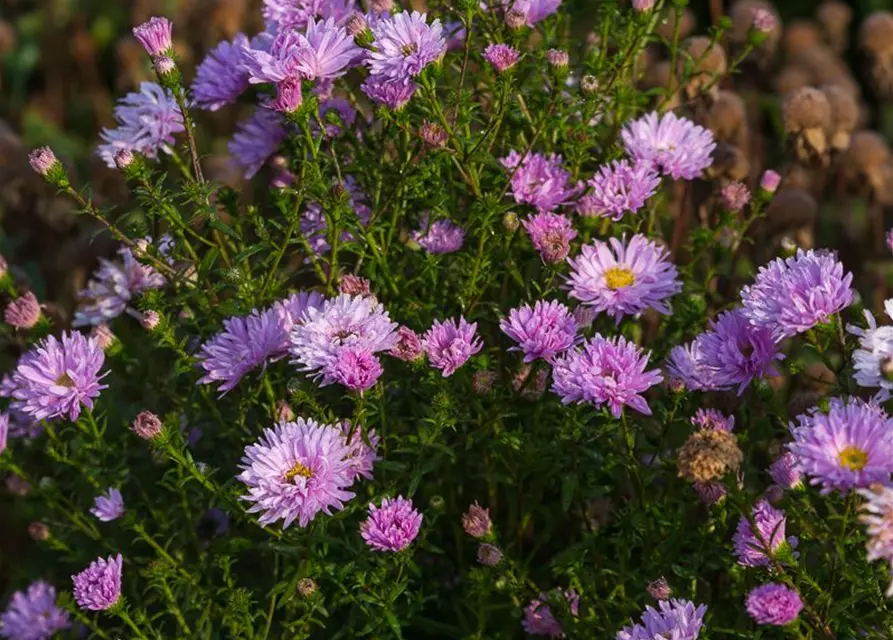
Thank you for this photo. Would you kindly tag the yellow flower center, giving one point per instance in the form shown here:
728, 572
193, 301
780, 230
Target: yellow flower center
853, 458
65, 381
298, 470
619, 277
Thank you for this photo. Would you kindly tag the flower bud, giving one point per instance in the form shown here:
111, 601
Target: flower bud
284, 412
558, 58
476, 521
735, 196
489, 555
511, 222
150, 320
17, 485
354, 285
124, 158
659, 589
409, 345
288, 96
306, 587
147, 425
769, 181
47, 165
23, 312
588, 84
103, 336
356, 24
437, 503
38, 531
515, 19
643, 5
381, 6
155, 36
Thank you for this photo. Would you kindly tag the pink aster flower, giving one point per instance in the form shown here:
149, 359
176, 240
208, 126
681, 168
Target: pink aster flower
450, 344
147, 122
764, 21
713, 420
220, 78
750, 547
108, 506
686, 365
676, 146
774, 604
489, 555
735, 196
296, 470
4, 431
502, 56
538, 618
543, 331
618, 188
155, 36
476, 521
439, 237
535, 11
769, 181
392, 526
551, 235
43, 161
56, 377
624, 279
785, 472
676, 619
877, 516
405, 44
356, 368
605, 371
33, 614
409, 345
23, 312
392, 93
256, 140
793, 295
361, 450
540, 181
288, 96
850, 447
98, 587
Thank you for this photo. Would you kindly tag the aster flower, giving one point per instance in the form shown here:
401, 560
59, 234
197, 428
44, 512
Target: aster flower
450, 344
44, 162
793, 295
710, 493
538, 617
147, 425
785, 472
354, 285
850, 447
489, 555
4, 431
155, 36
98, 587
774, 604
405, 44
257, 139
392, 93
877, 516
551, 235
735, 196
605, 371
356, 368
712, 419
618, 188
296, 470
540, 181
33, 614
23, 312
391, 527
296, 14
502, 56
56, 377
676, 146
543, 331
147, 122
361, 450
686, 365
409, 345
108, 506
751, 547
476, 521
659, 589
439, 237
736, 352
624, 279
873, 360
220, 78
676, 619
535, 11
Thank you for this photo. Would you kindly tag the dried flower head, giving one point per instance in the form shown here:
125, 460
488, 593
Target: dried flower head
708, 456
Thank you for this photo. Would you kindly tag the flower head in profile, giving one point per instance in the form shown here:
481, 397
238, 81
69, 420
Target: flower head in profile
392, 526
538, 617
108, 506
4, 431
361, 450
98, 587
56, 377
774, 604
619, 188
502, 56
676, 619
873, 360
257, 139
752, 547
439, 237
392, 93
713, 420
542, 331
785, 471
33, 614
23, 312
877, 516
850, 447
220, 78
551, 235
405, 44
451, 343
624, 278
790, 296
409, 345
476, 521
539, 180
676, 146
605, 371
686, 365
297, 470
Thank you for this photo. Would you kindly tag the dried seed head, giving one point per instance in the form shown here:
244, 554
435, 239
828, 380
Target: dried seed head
835, 18
826, 67
868, 150
791, 78
790, 209
306, 587
800, 36
876, 33
482, 382
727, 118
804, 109
707, 456
729, 162
38, 531
844, 115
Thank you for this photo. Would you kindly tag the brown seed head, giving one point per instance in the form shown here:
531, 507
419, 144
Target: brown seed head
799, 36
835, 18
876, 33
791, 78
804, 109
790, 209
707, 456
727, 118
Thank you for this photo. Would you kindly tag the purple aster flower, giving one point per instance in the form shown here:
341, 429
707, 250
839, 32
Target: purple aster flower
736, 351
56, 377
686, 366
98, 587
877, 516
850, 447
147, 122
710, 493
296, 470
220, 78
618, 188
405, 44
108, 506
358, 322
534, 11
551, 235
785, 472
409, 345
543, 331
751, 547
356, 368
793, 295
392, 93
33, 614
489, 555
361, 450
342, 113
605, 371
450, 344
502, 56
391, 527
624, 279
774, 604
4, 431
155, 36
735, 196
538, 618
439, 237
713, 420
676, 146
288, 96
23, 312
540, 181
676, 619
455, 33
256, 140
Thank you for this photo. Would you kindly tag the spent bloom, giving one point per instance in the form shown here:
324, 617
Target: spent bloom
624, 278
502, 56
489, 555
775, 604
392, 93
108, 506
408, 346
354, 285
296, 470
439, 237
605, 371
405, 44
785, 471
551, 235
619, 188
23, 312
751, 547
392, 526
33, 614
147, 425
540, 181
877, 516
56, 377
735, 196
707, 456
659, 589
542, 331
257, 139
220, 78
155, 36
675, 619
98, 587
850, 447
676, 146
476, 521
538, 616
713, 420
451, 343
873, 360
790, 296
